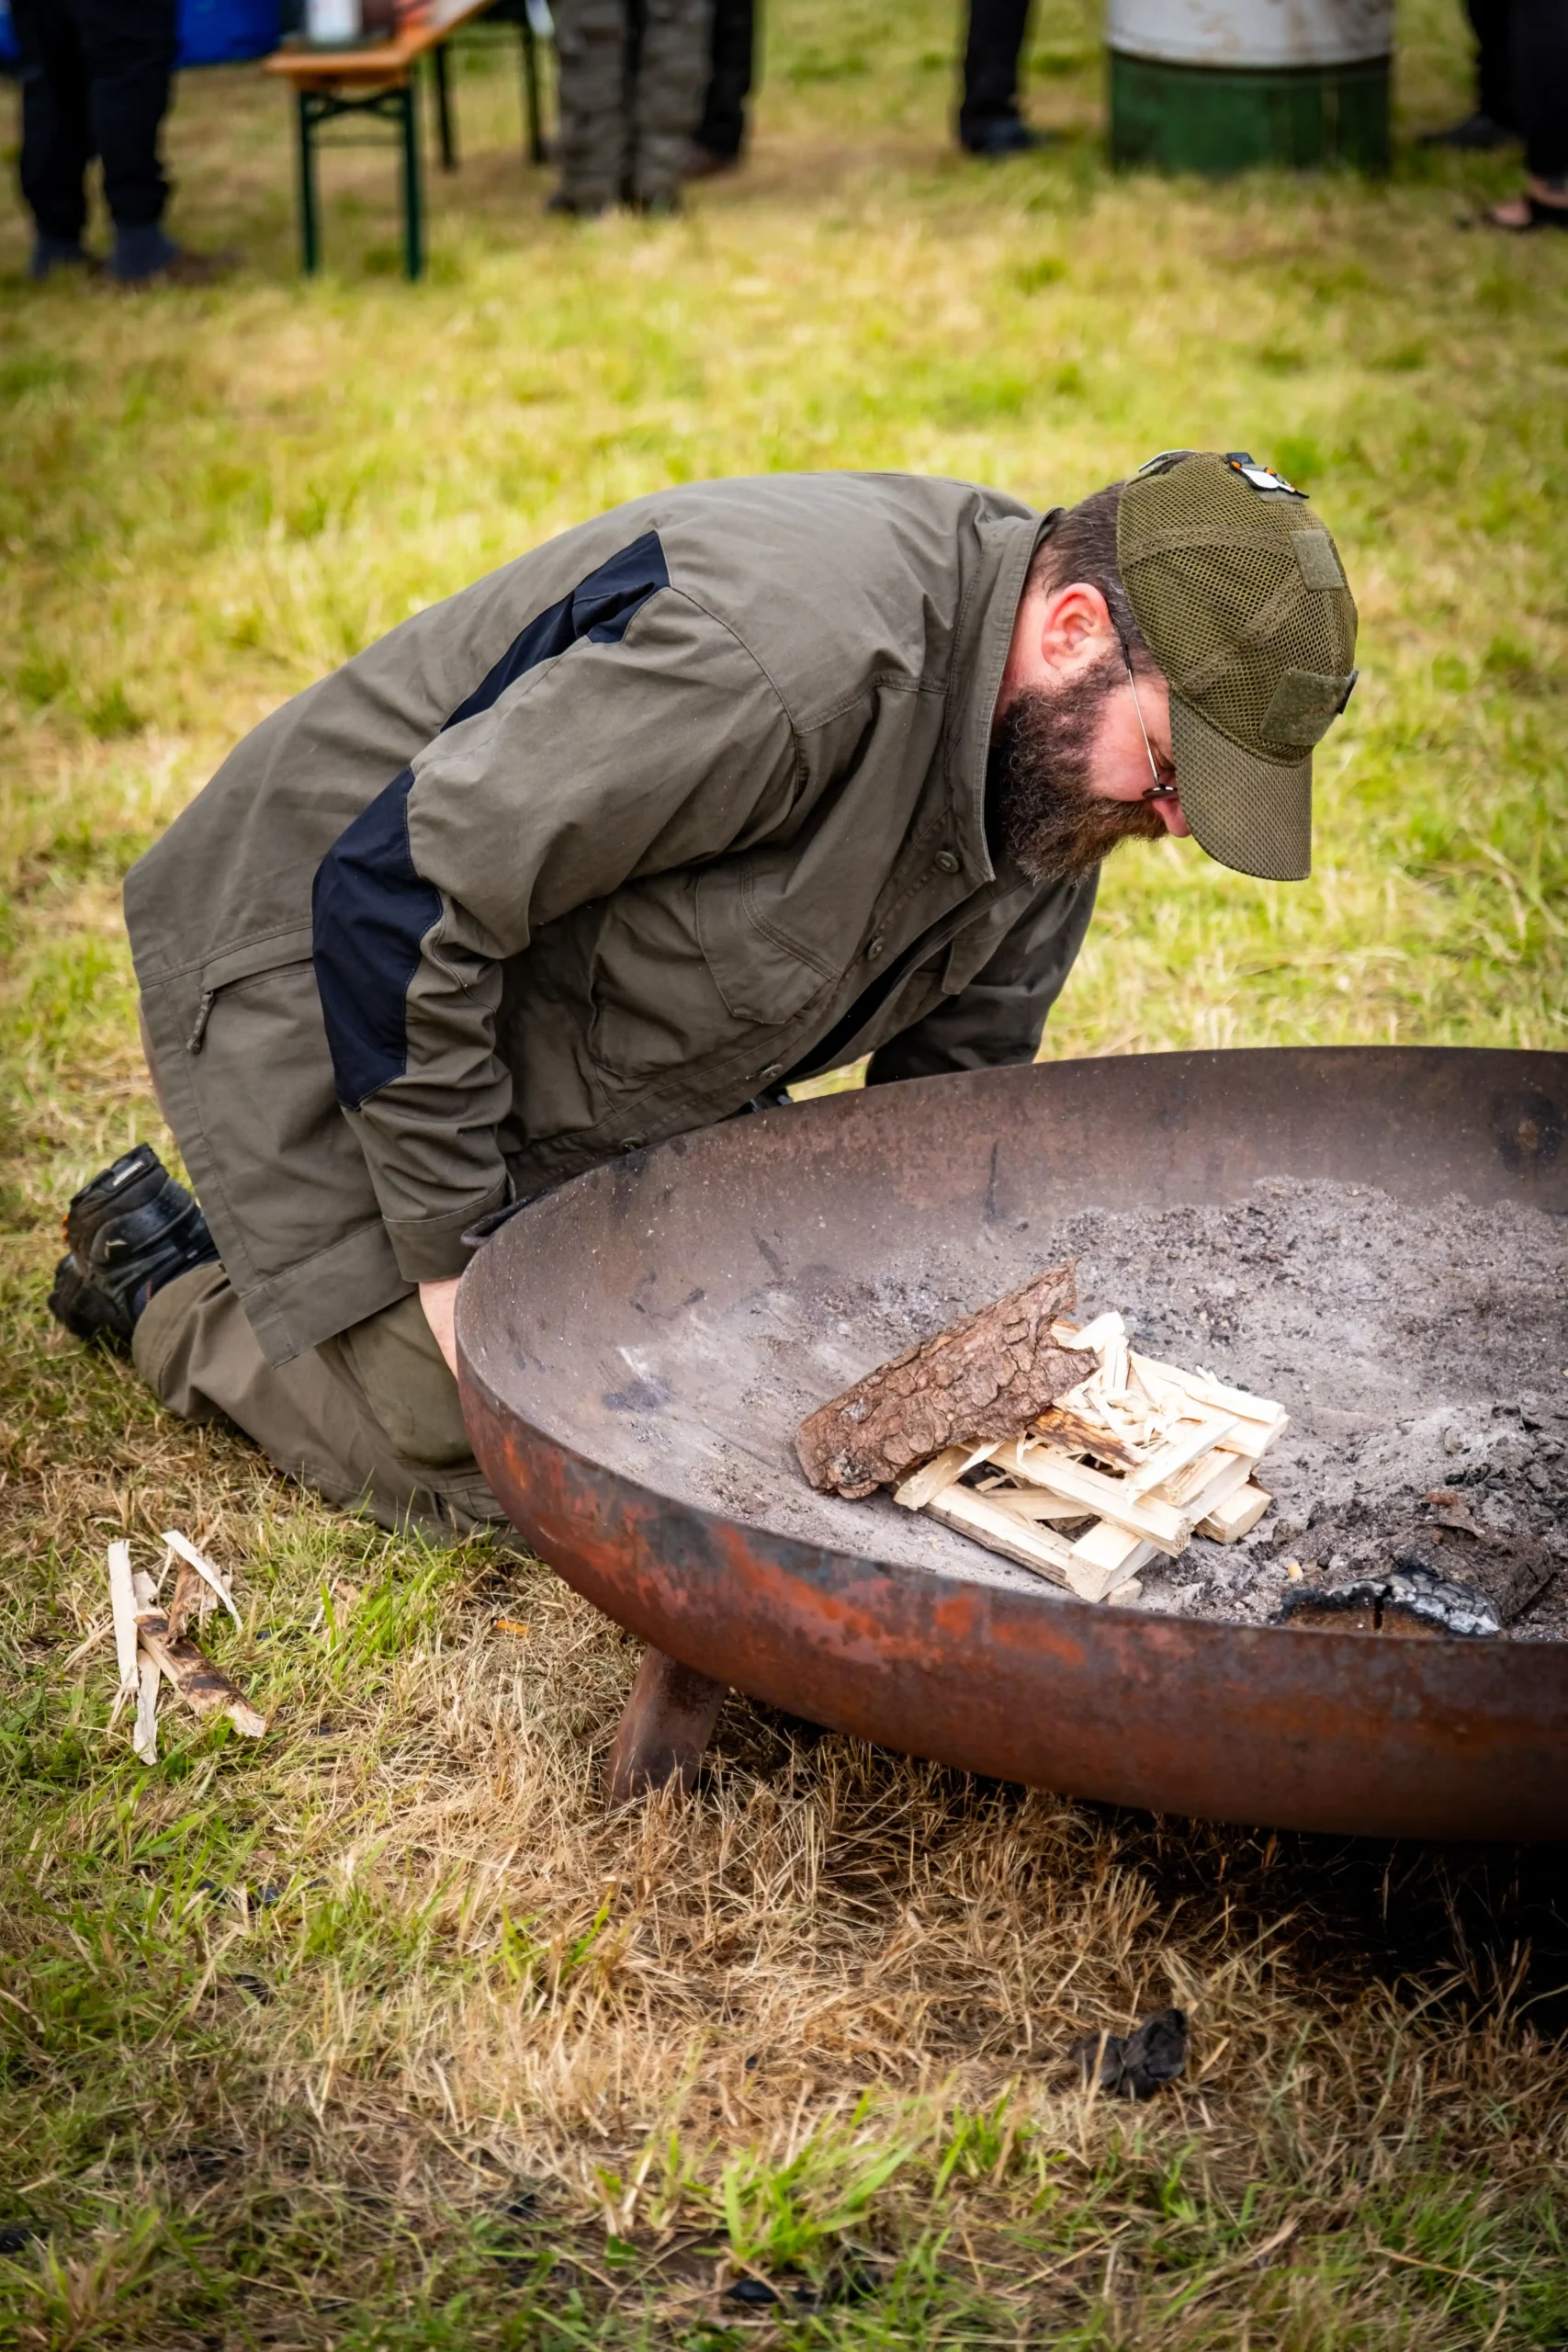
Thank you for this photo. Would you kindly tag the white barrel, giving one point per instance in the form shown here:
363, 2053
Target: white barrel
1255, 33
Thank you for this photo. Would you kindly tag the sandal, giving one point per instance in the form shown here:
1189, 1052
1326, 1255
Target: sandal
1539, 215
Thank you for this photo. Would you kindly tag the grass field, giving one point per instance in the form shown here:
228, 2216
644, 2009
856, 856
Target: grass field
379, 2034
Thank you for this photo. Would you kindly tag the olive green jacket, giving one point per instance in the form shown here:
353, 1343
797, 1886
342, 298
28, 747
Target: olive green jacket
586, 856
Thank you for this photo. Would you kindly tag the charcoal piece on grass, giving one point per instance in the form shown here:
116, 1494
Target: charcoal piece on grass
255, 1985
981, 1380
1137, 2065
752, 2290
1407, 1599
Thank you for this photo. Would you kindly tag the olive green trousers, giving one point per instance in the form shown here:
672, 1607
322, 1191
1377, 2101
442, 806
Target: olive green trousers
632, 78
369, 1419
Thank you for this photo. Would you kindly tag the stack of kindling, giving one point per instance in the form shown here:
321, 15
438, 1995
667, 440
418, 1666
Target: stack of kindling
1059, 1446
1132, 1462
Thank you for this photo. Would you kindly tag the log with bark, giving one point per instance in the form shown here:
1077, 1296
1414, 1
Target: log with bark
984, 1379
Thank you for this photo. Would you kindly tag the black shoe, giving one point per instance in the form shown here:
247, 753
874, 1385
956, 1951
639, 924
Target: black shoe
1478, 132
993, 143
130, 1231
578, 207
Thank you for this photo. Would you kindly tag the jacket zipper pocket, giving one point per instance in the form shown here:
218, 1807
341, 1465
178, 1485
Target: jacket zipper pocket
193, 1043
274, 953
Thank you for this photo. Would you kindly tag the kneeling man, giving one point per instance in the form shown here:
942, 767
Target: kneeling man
741, 782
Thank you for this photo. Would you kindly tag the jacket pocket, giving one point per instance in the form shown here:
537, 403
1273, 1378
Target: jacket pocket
762, 976
261, 1077
680, 975
279, 951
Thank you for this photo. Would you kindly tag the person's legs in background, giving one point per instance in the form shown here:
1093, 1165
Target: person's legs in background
721, 133
667, 95
989, 123
1491, 21
57, 145
1539, 37
96, 76
591, 52
1491, 122
130, 46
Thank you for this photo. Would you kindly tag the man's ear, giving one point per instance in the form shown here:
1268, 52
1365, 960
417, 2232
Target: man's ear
1074, 627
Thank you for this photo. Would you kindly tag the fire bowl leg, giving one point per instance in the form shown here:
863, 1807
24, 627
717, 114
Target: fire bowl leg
668, 1723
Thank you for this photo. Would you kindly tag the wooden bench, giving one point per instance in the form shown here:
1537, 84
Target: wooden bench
380, 79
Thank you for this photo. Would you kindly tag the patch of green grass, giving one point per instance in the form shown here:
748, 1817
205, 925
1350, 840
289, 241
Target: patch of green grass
378, 2032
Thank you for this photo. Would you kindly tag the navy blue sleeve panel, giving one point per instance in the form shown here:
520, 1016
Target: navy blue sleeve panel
370, 909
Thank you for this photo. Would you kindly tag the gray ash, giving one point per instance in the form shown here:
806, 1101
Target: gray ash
1419, 1352
1416, 1350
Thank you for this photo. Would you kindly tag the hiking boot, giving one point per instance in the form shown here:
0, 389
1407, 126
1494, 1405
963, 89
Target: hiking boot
128, 1233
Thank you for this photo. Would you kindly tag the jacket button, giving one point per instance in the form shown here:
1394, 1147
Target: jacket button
632, 1143
945, 862
875, 948
766, 1077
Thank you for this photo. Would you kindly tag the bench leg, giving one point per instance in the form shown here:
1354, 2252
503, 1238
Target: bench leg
413, 211
444, 119
309, 210
531, 107
668, 1724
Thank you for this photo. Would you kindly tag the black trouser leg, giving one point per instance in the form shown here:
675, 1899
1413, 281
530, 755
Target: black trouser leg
997, 29
1489, 21
722, 131
130, 48
1539, 30
57, 144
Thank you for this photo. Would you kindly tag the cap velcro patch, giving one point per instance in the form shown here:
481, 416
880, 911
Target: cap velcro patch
1305, 705
1319, 563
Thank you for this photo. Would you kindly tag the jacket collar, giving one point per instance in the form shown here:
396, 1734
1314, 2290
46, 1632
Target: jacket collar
1006, 549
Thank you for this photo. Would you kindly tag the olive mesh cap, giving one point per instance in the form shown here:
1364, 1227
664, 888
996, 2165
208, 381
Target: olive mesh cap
1243, 602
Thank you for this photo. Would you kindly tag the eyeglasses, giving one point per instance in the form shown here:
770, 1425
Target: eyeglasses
1159, 789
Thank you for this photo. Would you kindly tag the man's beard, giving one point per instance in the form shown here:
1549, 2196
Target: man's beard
1054, 825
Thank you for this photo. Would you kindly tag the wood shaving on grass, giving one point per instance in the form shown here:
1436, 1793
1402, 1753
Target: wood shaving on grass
151, 1642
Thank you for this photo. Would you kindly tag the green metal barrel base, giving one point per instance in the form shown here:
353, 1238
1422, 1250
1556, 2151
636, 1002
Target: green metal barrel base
1232, 119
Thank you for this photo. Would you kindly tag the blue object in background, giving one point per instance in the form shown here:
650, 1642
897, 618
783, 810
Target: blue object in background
223, 32
212, 33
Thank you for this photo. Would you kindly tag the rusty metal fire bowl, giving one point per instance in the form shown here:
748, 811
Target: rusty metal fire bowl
632, 1386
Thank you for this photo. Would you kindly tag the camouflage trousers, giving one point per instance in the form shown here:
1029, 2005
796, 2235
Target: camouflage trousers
633, 74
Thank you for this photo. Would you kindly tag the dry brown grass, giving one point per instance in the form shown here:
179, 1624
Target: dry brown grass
317, 2016
381, 2033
